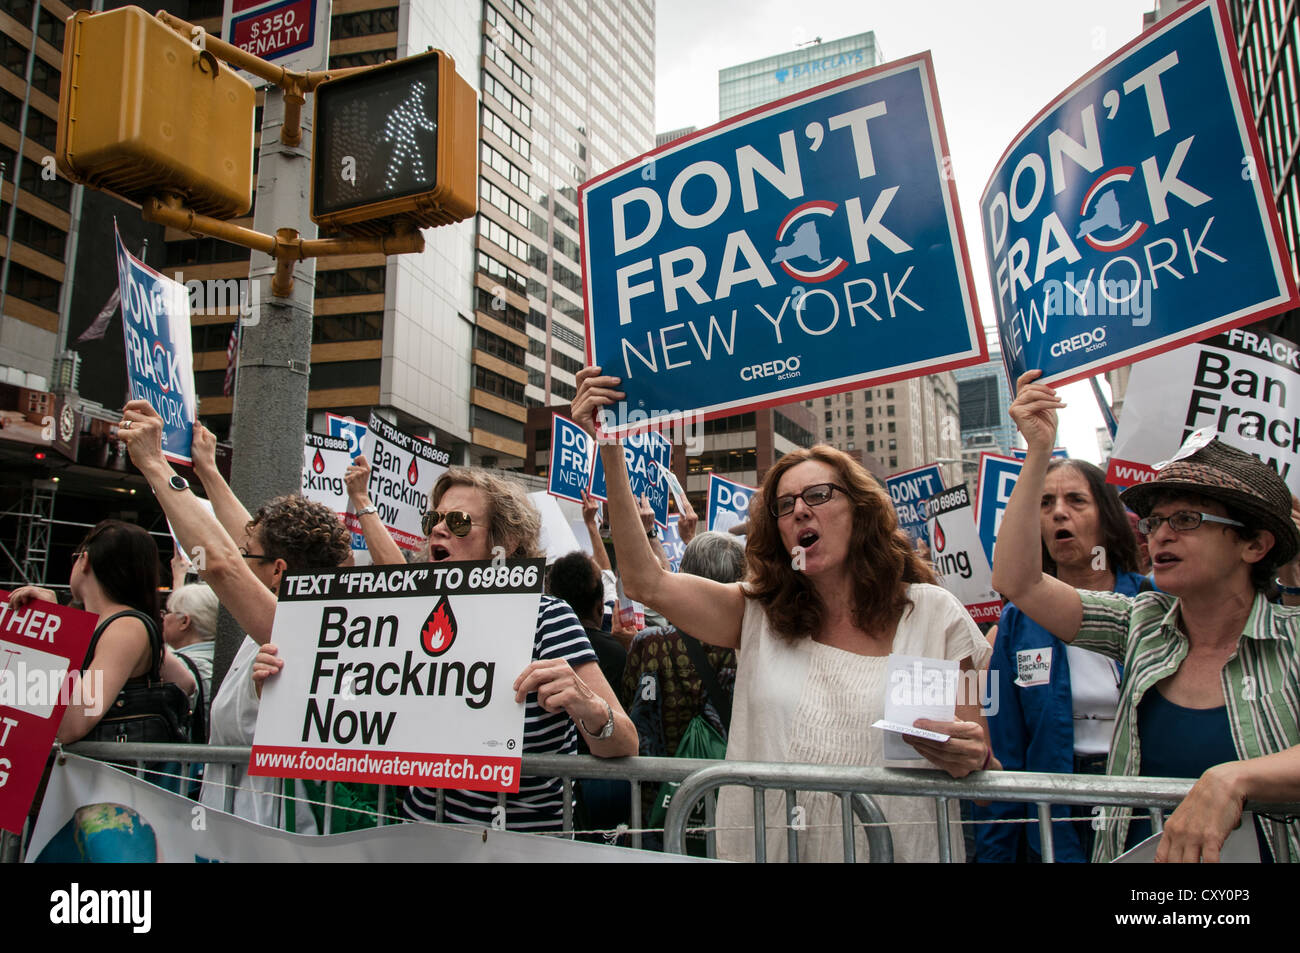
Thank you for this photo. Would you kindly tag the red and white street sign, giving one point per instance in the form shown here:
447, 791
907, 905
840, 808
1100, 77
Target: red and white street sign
289, 33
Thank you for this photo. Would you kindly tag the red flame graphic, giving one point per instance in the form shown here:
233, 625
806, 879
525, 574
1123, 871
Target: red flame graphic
439, 630
413, 473
939, 539
1038, 657
318, 463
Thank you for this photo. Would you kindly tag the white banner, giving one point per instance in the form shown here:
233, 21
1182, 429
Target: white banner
1241, 385
401, 675
403, 470
94, 813
957, 554
325, 461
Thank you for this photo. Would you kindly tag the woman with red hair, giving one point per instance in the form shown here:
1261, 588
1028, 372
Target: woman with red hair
833, 588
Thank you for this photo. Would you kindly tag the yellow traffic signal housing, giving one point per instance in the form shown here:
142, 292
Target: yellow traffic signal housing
395, 143
142, 112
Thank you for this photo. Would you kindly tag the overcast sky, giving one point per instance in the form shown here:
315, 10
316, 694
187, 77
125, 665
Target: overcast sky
996, 62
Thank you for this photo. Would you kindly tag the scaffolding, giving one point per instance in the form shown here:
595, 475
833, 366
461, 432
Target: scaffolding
28, 562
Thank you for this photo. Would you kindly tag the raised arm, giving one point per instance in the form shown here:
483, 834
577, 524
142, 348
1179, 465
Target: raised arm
590, 509
1018, 554
230, 513
710, 611
224, 567
383, 551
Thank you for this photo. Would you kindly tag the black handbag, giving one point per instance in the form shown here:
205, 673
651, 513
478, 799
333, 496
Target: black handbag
148, 708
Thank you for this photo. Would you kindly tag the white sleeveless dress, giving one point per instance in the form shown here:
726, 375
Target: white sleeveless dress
805, 702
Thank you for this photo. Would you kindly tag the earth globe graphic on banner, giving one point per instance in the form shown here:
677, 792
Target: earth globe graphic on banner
103, 833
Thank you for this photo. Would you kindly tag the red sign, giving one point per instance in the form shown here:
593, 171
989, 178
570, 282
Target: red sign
41, 644
274, 31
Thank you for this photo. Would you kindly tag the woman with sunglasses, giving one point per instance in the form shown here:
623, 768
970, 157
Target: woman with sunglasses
115, 576
833, 588
1211, 667
476, 516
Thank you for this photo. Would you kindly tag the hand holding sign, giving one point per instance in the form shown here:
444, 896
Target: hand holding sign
595, 390
357, 478
266, 664
1034, 411
559, 688
141, 430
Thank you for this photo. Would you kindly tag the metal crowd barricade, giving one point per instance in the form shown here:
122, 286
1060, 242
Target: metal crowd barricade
1156, 795
700, 779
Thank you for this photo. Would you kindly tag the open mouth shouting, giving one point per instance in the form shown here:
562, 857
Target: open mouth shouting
807, 539
438, 553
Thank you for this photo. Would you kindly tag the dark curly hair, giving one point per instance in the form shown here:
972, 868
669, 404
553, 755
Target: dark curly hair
880, 555
124, 560
575, 579
304, 534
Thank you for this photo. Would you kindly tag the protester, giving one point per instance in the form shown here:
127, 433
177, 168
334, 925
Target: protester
477, 516
288, 533
189, 628
660, 654
114, 576
383, 551
1056, 702
1211, 668
833, 588
576, 579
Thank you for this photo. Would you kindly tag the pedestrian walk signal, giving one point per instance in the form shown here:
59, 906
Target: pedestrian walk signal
396, 143
143, 111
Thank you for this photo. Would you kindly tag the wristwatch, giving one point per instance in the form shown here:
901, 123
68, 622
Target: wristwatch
367, 510
178, 482
605, 732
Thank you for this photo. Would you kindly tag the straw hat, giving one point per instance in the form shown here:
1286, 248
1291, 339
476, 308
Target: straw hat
1232, 477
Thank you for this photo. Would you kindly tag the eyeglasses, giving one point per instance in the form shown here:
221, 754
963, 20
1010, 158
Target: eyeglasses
1181, 522
77, 555
458, 522
815, 495
262, 556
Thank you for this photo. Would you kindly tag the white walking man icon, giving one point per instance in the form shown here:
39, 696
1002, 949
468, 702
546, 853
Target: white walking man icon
400, 128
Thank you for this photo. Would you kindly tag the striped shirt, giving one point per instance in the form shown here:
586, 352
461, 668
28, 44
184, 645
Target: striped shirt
539, 804
1261, 684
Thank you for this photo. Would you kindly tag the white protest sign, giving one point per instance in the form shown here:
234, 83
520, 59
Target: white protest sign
1241, 385
325, 460
557, 537
957, 554
403, 471
401, 675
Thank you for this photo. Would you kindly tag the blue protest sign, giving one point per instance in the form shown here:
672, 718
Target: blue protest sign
907, 490
1134, 214
997, 478
807, 247
354, 431
159, 359
728, 503
1060, 452
571, 449
646, 455
673, 544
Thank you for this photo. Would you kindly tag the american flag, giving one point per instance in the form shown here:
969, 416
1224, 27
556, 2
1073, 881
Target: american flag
232, 354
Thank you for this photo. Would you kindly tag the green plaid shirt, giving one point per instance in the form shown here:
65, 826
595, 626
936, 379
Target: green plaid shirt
1261, 683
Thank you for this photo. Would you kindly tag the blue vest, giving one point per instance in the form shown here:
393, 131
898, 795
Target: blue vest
1032, 730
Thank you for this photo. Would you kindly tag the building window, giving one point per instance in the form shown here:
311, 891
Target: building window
889, 410
485, 380
363, 326
828, 416
889, 393
342, 282
891, 426
893, 443
893, 463
828, 433
497, 346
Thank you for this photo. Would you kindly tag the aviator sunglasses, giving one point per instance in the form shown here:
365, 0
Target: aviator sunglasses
458, 522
